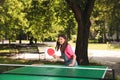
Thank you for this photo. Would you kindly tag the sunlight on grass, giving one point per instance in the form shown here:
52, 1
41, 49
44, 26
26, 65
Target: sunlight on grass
118, 78
99, 46
103, 46
4, 51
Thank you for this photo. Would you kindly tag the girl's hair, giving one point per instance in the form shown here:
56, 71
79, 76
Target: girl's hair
64, 45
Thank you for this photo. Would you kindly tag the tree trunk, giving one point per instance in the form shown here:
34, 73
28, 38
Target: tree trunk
82, 16
2, 41
20, 41
117, 36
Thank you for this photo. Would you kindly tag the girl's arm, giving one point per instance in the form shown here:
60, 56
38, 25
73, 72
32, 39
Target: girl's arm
69, 51
73, 60
56, 57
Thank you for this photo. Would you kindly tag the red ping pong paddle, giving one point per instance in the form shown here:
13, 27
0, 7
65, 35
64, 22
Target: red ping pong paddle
50, 51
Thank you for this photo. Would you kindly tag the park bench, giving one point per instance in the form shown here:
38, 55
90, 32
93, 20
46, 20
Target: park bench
9, 50
23, 49
13, 50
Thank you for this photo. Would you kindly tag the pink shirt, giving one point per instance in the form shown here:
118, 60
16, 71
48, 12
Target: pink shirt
69, 52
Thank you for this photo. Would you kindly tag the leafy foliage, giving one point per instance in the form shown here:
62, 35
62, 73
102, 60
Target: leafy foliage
40, 19
44, 19
106, 18
12, 18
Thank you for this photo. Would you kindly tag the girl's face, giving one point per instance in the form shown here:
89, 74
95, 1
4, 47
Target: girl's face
61, 40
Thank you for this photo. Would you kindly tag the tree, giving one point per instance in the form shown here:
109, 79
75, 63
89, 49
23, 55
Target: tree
65, 18
82, 12
13, 18
114, 21
105, 20
41, 19
99, 19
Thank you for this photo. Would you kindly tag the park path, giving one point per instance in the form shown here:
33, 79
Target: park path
100, 56
105, 56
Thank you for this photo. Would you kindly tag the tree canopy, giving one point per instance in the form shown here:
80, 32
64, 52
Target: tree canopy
43, 19
105, 20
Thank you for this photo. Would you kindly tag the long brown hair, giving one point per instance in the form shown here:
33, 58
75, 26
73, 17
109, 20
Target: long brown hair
64, 45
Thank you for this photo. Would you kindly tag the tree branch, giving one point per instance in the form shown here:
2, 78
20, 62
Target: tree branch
75, 8
88, 8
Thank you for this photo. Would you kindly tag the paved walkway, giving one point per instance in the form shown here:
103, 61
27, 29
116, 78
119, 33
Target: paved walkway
105, 56
101, 56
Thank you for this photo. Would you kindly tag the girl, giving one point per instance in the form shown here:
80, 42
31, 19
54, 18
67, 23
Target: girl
66, 51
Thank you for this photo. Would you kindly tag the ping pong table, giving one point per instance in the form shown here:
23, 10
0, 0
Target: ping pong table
55, 72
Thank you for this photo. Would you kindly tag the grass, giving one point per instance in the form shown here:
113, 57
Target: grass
104, 46
118, 78
101, 46
4, 51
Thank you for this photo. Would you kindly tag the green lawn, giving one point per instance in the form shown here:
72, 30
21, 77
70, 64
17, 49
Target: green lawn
101, 46
104, 46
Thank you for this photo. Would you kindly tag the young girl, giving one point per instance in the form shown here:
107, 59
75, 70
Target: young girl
66, 51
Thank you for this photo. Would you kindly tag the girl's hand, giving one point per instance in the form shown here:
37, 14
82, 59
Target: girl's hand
71, 65
55, 56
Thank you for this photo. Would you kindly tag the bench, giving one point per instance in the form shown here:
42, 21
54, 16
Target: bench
22, 49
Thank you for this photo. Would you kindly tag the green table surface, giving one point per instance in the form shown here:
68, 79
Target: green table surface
58, 72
